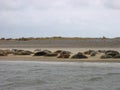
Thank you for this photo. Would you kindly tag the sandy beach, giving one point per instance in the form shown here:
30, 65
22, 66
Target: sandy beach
74, 46
44, 58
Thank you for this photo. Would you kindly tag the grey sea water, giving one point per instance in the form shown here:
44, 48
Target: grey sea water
33, 75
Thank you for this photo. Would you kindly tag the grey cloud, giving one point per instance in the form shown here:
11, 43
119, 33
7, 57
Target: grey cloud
61, 15
11, 4
113, 4
46, 4
57, 4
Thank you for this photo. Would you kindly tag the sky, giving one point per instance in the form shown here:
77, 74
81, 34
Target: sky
66, 18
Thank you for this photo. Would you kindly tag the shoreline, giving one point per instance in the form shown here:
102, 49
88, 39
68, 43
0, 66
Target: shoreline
53, 59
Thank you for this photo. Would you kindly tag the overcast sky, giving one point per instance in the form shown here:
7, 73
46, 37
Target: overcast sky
69, 18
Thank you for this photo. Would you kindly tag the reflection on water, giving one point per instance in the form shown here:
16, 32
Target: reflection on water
28, 75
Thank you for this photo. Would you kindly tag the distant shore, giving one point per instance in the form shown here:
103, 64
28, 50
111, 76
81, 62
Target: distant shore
62, 43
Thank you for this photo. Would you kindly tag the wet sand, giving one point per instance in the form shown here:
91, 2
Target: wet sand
51, 59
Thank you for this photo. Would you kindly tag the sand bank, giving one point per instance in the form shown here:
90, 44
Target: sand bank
74, 46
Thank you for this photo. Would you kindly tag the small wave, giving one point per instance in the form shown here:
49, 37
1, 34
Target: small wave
6, 84
113, 73
95, 78
87, 89
25, 83
36, 69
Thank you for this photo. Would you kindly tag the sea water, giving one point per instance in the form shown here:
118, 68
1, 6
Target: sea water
34, 75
